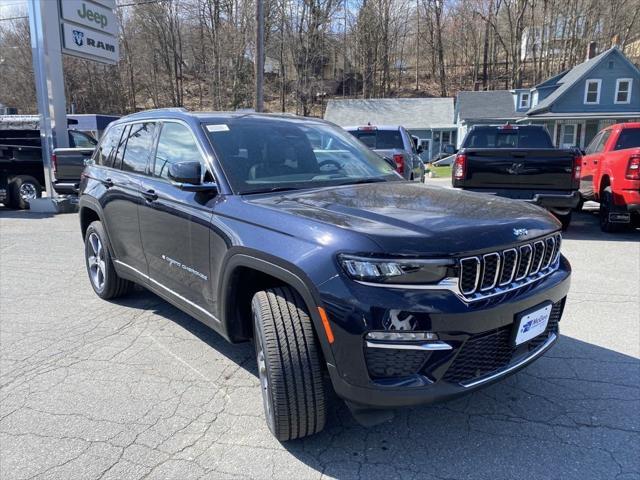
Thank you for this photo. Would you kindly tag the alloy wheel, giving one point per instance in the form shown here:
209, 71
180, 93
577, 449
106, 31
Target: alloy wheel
27, 191
95, 260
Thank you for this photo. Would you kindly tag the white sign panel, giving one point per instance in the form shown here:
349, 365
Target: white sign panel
105, 3
90, 15
87, 43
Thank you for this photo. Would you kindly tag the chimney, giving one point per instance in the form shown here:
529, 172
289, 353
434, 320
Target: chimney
615, 40
591, 50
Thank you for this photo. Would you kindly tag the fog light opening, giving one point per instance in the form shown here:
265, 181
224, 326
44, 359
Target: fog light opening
401, 336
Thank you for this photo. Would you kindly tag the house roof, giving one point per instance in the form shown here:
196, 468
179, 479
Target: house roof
568, 79
411, 113
485, 105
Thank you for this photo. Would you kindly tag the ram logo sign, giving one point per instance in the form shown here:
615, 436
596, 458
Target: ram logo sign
87, 43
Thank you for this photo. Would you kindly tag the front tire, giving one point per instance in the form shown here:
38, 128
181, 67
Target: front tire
288, 364
102, 275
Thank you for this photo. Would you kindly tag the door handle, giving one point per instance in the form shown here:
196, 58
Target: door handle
107, 182
150, 195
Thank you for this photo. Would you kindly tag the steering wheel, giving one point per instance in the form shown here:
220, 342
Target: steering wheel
336, 165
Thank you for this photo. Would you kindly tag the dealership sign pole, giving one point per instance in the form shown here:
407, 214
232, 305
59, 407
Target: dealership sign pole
82, 28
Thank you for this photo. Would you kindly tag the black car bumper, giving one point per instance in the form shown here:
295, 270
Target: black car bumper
480, 336
549, 199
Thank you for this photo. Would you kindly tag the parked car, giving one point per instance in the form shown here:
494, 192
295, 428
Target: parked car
611, 175
400, 293
520, 162
395, 143
21, 165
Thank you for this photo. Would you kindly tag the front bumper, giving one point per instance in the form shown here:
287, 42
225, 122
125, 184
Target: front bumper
479, 336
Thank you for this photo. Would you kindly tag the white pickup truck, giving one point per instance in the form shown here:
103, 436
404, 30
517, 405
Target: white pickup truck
395, 143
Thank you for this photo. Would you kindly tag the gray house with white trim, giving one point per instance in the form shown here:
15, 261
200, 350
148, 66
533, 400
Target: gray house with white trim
429, 119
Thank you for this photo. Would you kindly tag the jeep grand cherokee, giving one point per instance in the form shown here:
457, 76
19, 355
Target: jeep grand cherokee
290, 232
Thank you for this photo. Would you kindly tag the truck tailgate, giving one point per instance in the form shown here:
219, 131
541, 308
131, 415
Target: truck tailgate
70, 163
531, 169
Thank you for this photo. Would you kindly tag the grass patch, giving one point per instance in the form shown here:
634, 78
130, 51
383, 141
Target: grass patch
443, 171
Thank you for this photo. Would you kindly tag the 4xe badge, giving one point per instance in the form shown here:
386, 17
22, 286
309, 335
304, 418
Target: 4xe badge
520, 232
78, 37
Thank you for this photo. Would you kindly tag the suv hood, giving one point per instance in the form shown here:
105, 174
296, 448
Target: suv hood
411, 218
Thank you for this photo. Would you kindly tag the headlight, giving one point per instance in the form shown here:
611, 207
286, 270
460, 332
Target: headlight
400, 271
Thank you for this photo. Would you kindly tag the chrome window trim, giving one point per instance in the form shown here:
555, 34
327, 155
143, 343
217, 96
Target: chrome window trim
526, 270
513, 270
496, 276
536, 353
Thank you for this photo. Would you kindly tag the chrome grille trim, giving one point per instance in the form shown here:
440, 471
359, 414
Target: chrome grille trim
529, 250
535, 267
497, 274
541, 256
463, 267
513, 269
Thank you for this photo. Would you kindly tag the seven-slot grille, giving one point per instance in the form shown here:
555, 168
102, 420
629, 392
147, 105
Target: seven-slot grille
497, 272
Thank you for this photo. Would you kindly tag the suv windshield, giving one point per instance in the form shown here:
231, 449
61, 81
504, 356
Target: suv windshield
268, 154
379, 139
508, 137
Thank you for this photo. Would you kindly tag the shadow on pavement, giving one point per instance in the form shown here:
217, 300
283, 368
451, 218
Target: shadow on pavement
22, 214
565, 416
585, 226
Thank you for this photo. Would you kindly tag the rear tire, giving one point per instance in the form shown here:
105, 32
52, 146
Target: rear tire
288, 364
606, 203
21, 189
102, 275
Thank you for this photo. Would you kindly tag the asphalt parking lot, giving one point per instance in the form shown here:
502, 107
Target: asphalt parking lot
136, 389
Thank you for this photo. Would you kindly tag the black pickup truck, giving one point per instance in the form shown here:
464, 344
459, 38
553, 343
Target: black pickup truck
520, 162
21, 167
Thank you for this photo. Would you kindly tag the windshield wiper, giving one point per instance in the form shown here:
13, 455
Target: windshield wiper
270, 190
364, 180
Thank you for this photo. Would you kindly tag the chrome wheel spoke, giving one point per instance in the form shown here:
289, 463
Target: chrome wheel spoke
96, 262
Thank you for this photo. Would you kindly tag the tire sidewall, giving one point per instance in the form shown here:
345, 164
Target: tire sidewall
259, 342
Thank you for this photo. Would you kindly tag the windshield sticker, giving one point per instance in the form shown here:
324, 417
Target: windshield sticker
218, 128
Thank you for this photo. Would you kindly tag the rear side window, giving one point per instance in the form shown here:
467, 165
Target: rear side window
139, 143
105, 152
629, 138
516, 137
175, 145
380, 139
80, 140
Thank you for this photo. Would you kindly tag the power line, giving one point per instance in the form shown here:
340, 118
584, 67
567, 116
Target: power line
12, 18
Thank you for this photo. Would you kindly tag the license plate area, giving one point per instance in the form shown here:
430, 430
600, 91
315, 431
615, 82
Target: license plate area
531, 323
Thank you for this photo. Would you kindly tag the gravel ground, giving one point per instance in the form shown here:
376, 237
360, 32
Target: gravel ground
137, 389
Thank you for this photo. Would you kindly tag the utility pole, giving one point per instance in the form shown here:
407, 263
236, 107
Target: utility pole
418, 45
259, 60
47, 66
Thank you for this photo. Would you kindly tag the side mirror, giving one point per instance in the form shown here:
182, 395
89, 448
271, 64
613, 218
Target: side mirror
420, 149
187, 176
582, 152
186, 172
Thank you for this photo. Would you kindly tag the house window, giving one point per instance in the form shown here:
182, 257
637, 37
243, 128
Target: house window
524, 100
568, 138
623, 90
592, 92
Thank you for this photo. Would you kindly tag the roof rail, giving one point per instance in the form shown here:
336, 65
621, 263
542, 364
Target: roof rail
152, 110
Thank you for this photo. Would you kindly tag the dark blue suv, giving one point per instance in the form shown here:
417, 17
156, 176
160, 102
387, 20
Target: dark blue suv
290, 232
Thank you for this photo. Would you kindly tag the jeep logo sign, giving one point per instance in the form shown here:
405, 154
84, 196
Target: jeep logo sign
89, 14
87, 43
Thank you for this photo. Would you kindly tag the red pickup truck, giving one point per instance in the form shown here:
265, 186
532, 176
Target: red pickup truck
611, 175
